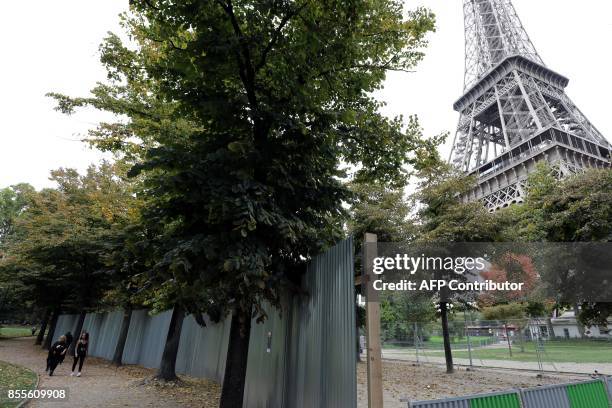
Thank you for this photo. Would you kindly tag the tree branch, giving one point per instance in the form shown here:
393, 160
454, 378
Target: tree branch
277, 33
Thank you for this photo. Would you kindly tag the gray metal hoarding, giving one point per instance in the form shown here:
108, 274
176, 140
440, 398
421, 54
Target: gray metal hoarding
551, 396
442, 403
203, 350
146, 338
302, 356
103, 329
65, 323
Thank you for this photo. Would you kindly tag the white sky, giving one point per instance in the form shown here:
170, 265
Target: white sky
53, 46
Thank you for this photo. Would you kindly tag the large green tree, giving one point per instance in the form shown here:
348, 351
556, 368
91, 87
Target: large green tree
573, 209
444, 217
244, 113
59, 241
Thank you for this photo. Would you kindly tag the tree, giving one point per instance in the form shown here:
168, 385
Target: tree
13, 200
246, 113
444, 217
510, 311
573, 209
60, 239
399, 313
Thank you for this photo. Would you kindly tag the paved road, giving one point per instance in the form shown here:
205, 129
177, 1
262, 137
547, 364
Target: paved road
101, 385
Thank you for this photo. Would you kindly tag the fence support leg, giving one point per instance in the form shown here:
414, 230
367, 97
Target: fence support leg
375, 385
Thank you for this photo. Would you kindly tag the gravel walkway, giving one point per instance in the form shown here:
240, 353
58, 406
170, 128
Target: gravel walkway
424, 382
103, 385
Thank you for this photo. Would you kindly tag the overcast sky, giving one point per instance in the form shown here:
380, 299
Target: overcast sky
53, 46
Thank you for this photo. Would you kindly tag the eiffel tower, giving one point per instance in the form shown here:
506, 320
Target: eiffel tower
514, 111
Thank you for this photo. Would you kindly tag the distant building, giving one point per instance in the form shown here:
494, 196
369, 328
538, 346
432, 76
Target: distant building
565, 326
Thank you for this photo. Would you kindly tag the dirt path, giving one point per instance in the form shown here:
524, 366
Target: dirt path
101, 384
405, 380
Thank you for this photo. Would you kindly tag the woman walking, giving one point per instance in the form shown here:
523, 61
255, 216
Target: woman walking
80, 352
56, 354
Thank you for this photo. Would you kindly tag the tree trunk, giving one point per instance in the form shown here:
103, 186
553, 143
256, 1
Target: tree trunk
43, 327
508, 339
551, 330
167, 367
448, 353
77, 332
123, 333
232, 393
49, 339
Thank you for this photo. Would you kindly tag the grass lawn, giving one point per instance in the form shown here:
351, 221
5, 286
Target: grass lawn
555, 351
15, 331
14, 378
437, 343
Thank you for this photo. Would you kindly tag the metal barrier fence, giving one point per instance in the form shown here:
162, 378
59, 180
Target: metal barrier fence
515, 344
301, 356
550, 396
507, 399
586, 394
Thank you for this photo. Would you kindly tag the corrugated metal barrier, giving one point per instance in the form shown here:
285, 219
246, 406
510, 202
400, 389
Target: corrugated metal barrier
497, 400
461, 402
551, 396
507, 399
609, 382
585, 394
302, 356
590, 394
65, 323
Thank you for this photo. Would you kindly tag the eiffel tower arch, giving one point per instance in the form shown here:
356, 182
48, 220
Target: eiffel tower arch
514, 111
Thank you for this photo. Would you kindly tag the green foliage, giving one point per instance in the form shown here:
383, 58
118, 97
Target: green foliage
399, 312
443, 215
56, 251
242, 117
573, 209
510, 311
380, 210
13, 200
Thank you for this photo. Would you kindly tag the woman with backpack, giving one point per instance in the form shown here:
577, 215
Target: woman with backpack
56, 354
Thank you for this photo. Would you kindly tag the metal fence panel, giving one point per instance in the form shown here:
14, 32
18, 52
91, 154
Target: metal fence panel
505, 399
265, 379
441, 403
146, 338
609, 383
551, 396
301, 357
65, 323
103, 329
497, 401
590, 394
320, 358
203, 350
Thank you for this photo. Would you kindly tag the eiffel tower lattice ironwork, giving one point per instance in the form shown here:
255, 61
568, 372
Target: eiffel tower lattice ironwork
514, 111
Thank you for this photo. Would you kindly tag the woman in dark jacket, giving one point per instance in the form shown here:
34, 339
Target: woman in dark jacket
80, 352
68, 337
56, 354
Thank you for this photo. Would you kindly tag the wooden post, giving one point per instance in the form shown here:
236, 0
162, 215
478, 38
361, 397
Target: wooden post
375, 385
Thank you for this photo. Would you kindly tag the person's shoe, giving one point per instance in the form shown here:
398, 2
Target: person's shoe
72, 374
79, 374
50, 373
